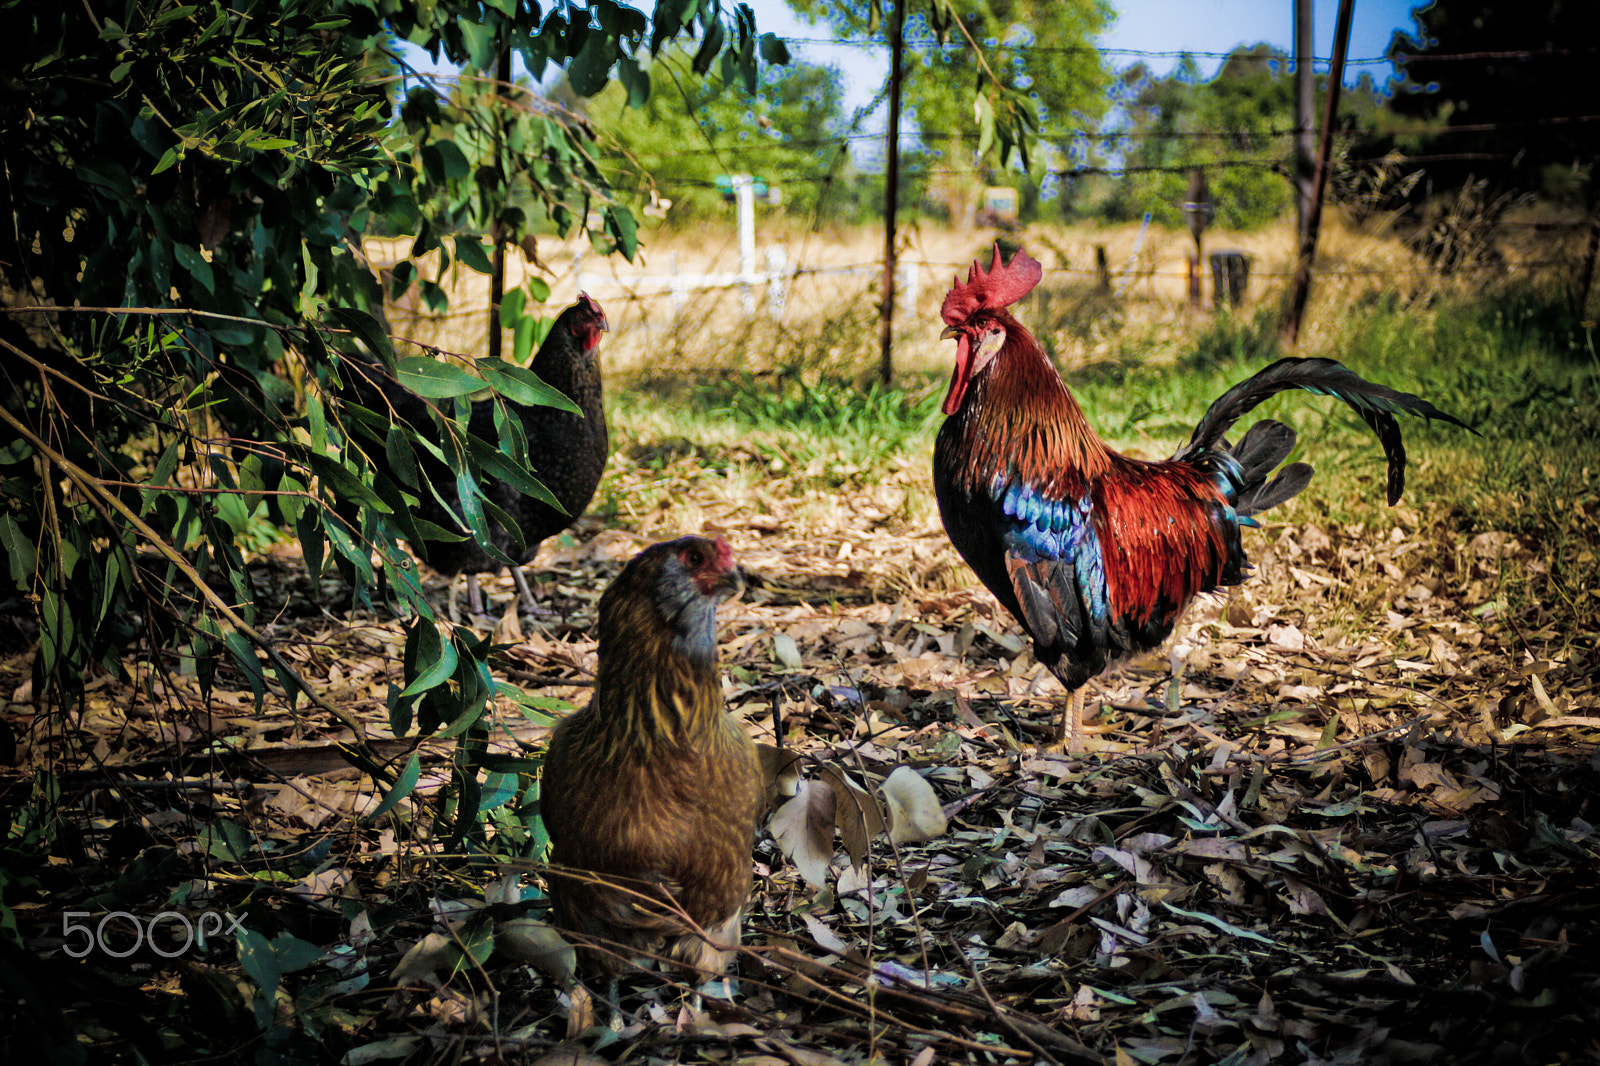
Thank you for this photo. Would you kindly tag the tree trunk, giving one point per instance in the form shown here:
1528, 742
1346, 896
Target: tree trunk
891, 198
1308, 246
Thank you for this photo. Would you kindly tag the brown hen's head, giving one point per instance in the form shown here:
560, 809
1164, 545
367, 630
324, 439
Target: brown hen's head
975, 315
684, 580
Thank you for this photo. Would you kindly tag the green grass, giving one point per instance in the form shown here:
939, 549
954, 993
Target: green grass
1514, 365
831, 432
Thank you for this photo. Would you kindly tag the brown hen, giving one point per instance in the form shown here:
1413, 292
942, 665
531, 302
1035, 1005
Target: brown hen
651, 793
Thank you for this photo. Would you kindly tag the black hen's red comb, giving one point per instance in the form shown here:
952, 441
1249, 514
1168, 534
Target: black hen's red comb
1002, 285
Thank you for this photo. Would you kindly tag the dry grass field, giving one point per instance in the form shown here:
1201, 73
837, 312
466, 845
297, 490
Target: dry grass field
838, 275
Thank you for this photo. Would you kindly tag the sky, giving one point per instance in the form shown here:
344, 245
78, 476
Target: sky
1162, 26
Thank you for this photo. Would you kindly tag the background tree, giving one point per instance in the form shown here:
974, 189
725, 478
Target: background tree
1237, 126
1041, 48
1031, 65
691, 132
1496, 112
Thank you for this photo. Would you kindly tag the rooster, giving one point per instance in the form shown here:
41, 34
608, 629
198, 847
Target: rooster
651, 792
1097, 554
567, 453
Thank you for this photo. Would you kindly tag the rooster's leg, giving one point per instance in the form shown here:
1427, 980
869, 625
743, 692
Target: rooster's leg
1072, 718
1071, 736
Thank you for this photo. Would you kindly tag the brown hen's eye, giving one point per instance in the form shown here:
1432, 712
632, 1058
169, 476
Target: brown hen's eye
693, 559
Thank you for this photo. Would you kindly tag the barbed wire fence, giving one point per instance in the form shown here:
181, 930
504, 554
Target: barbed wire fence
801, 270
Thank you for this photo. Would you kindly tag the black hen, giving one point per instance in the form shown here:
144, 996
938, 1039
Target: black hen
567, 453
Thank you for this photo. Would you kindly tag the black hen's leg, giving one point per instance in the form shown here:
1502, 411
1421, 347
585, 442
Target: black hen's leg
529, 604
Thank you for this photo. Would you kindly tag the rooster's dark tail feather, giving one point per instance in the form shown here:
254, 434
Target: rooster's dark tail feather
1376, 404
1258, 453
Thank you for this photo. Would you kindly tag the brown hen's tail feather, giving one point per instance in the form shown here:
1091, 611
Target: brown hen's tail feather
1376, 404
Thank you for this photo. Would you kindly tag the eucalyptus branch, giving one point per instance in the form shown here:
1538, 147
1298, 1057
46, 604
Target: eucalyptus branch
156, 312
978, 53
93, 485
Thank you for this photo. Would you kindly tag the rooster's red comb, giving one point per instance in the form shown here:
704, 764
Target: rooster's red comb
1002, 285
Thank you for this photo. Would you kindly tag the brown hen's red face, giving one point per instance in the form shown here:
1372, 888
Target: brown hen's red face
710, 565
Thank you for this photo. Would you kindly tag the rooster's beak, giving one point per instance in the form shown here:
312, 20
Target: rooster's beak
949, 332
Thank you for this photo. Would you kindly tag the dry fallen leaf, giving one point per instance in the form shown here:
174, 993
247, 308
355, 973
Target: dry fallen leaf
569, 1054
537, 944
914, 811
780, 769
422, 960
855, 813
803, 828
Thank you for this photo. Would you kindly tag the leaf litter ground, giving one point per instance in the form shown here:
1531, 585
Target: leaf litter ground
1345, 818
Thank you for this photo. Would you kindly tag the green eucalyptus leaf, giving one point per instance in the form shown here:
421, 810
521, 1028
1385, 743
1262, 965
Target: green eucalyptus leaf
402, 788
366, 329
710, 45
773, 50
621, 224
521, 385
19, 550
402, 460
472, 252
435, 661
435, 379
591, 67
243, 654
344, 483
634, 80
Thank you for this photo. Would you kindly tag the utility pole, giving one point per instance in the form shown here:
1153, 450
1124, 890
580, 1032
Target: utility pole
1301, 289
891, 198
